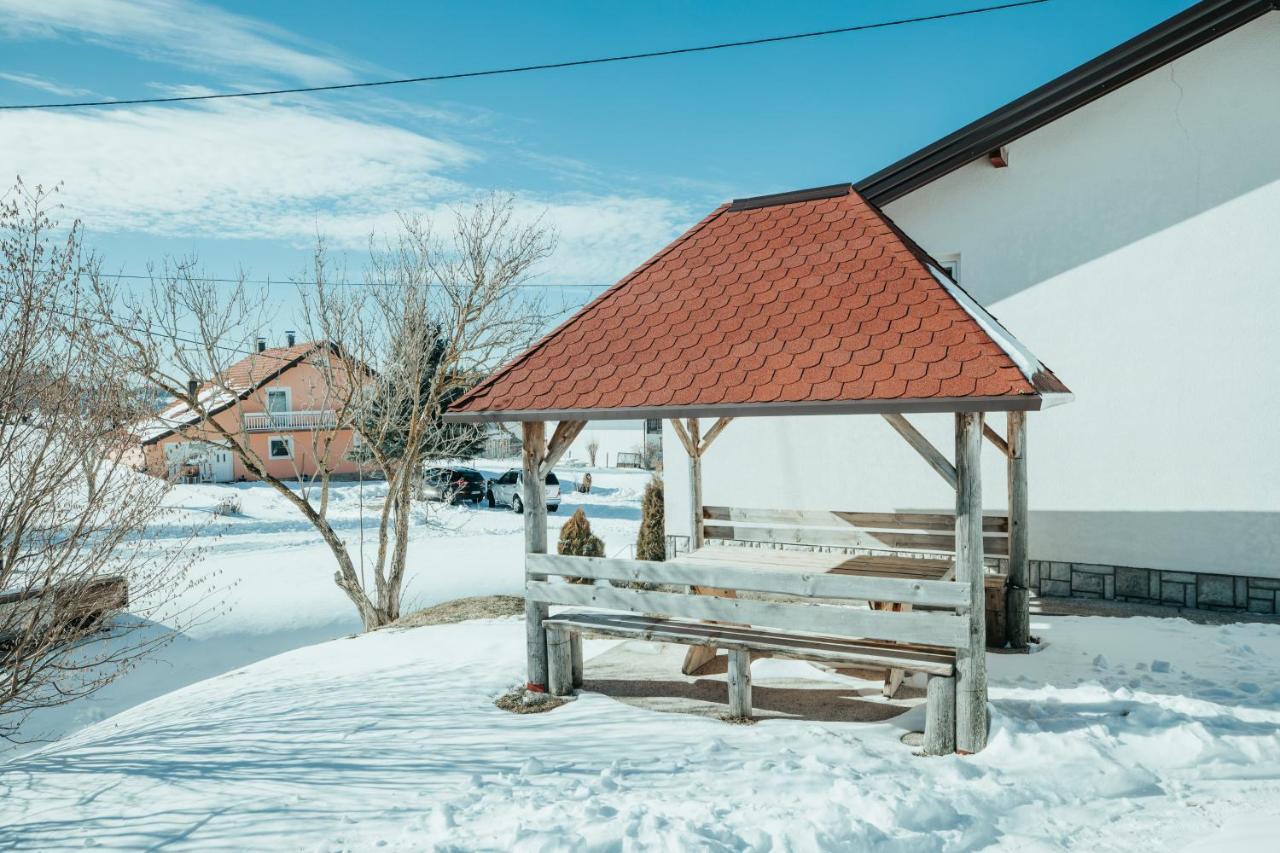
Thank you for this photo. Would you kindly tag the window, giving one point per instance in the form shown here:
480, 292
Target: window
951, 266
653, 426
277, 399
280, 447
508, 478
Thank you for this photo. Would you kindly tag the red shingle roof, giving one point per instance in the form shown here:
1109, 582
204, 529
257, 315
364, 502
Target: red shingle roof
241, 379
807, 302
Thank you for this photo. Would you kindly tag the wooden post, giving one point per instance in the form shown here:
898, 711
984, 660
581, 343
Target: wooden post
559, 662
971, 661
1018, 599
535, 542
940, 716
575, 648
739, 683
696, 657
695, 487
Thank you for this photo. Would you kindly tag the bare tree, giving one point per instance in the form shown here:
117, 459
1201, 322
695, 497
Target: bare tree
75, 520
593, 448
385, 361
452, 312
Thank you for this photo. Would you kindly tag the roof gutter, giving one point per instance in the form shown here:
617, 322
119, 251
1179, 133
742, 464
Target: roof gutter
1011, 403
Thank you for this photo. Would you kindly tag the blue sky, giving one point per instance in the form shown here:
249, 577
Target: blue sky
618, 158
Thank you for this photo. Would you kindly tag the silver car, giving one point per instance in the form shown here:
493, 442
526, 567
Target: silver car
508, 490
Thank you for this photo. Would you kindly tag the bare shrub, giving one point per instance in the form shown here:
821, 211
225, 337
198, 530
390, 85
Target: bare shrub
76, 522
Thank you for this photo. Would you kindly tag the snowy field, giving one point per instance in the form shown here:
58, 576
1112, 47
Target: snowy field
271, 578
270, 727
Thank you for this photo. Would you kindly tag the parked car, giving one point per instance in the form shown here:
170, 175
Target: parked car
454, 485
508, 490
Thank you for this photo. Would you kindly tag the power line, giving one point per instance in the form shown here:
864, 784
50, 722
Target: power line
150, 329
519, 69
296, 281
147, 330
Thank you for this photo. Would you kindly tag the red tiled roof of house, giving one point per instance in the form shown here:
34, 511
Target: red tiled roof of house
242, 378
805, 302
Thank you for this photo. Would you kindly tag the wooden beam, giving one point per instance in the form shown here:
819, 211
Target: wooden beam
943, 521
698, 656
850, 537
1017, 604
940, 716
689, 449
971, 659
535, 542
695, 488
575, 651
739, 684
566, 432
716, 429
927, 593
871, 653
922, 446
559, 662
926, 627
994, 437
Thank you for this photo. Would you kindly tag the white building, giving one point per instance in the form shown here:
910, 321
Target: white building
1125, 220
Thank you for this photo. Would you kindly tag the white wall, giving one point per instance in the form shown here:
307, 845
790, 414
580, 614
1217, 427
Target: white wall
1134, 246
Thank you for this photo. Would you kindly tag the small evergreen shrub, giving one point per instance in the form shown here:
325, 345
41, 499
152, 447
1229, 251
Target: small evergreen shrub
577, 540
651, 544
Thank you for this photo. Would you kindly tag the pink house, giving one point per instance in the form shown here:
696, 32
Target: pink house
278, 400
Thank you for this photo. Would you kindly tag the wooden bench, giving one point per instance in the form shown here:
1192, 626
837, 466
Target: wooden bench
902, 544
838, 628
895, 545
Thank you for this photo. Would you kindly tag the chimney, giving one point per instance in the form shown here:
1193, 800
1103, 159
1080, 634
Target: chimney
290, 337
192, 385
262, 344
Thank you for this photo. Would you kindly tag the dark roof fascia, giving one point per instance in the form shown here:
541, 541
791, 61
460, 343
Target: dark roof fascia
1188, 30
1010, 403
239, 397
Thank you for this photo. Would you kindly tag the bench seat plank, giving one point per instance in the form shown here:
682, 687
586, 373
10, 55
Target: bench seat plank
916, 658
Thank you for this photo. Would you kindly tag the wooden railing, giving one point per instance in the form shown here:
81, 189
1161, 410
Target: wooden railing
947, 627
272, 421
870, 530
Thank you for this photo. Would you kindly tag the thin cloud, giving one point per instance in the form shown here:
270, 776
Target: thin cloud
44, 85
283, 171
178, 32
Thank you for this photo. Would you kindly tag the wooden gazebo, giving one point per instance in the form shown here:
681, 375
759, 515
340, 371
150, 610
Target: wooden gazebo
803, 303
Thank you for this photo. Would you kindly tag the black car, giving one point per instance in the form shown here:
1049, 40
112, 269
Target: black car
455, 485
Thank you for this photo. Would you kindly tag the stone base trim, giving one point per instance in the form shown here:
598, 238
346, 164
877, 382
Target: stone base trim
1196, 590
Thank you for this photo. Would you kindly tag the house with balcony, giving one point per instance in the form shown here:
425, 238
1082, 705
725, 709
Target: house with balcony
278, 400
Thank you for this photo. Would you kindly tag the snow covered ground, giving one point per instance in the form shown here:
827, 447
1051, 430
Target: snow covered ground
392, 740
271, 578
1119, 734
